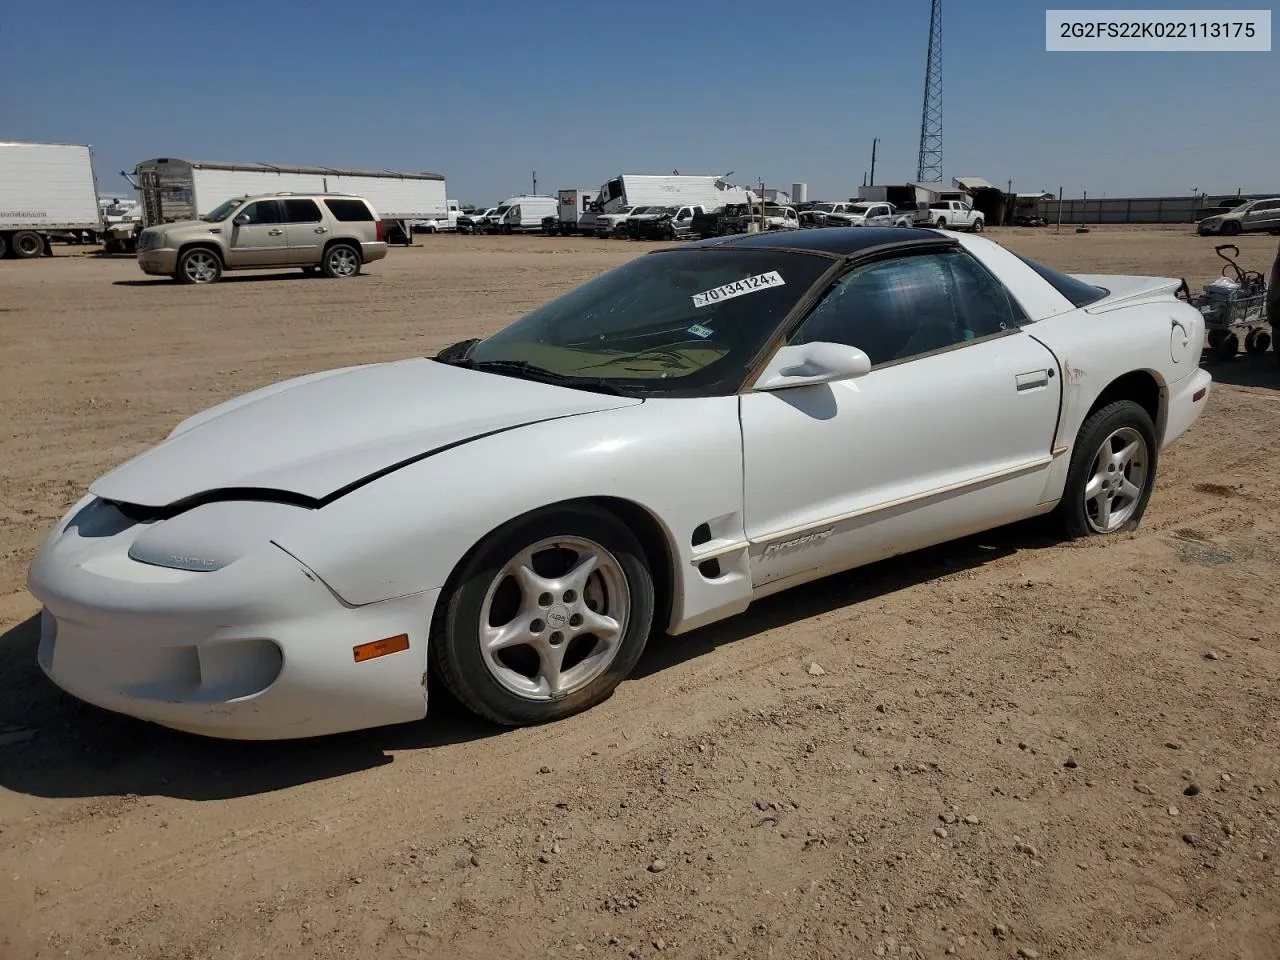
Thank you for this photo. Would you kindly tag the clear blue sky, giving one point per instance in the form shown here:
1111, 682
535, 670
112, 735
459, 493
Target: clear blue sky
486, 92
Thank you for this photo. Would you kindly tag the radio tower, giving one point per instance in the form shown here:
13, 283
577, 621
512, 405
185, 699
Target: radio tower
929, 165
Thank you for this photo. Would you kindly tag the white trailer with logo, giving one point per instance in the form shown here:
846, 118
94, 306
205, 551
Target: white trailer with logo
46, 190
173, 189
574, 206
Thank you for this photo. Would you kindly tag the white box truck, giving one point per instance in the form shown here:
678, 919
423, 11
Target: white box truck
46, 189
634, 189
630, 190
173, 189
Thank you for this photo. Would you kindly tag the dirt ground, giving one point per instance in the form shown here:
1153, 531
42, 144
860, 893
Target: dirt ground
1013, 744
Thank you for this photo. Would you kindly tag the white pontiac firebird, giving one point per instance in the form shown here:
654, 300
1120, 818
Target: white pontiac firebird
700, 427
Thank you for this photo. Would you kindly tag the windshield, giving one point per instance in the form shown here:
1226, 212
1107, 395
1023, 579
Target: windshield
499, 211
668, 322
824, 207
221, 211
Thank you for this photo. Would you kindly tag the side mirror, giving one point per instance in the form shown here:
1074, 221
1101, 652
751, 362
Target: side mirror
241, 220
807, 364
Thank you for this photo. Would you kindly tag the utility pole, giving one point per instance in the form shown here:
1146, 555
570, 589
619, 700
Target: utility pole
535, 183
873, 160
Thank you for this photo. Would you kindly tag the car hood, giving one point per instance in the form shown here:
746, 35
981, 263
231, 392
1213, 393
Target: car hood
315, 436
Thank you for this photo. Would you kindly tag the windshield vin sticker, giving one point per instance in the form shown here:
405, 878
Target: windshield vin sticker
761, 281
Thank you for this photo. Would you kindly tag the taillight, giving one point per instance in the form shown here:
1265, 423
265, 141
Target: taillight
381, 232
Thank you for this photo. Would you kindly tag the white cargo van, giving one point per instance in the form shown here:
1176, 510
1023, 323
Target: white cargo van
523, 214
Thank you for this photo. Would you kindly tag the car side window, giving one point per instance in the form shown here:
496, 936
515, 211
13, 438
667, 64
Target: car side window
900, 308
263, 211
301, 211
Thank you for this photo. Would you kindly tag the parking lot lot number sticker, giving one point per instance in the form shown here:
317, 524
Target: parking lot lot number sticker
698, 330
761, 281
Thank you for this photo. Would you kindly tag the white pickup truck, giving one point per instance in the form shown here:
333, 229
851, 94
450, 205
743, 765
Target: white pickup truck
955, 215
615, 224
871, 213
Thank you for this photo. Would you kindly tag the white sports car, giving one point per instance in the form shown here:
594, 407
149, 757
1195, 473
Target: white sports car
698, 428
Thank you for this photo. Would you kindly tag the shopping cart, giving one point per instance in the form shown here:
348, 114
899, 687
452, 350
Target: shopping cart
1235, 309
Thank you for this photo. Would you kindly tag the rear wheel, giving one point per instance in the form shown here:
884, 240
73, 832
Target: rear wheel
1112, 472
341, 260
4, 245
199, 265
546, 617
942, 223
27, 244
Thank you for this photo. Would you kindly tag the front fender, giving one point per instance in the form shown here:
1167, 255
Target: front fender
678, 459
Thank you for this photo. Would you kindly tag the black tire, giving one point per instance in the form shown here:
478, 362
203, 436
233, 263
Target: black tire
1257, 341
4, 245
341, 261
27, 244
1230, 228
1071, 514
1223, 345
942, 223
199, 265
978, 225
455, 652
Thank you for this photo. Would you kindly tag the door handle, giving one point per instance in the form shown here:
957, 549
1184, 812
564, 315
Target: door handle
1032, 380
274, 233
322, 229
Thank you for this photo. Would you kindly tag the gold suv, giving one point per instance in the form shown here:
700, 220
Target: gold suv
320, 231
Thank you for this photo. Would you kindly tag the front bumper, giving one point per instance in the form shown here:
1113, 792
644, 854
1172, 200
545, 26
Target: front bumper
162, 261
258, 650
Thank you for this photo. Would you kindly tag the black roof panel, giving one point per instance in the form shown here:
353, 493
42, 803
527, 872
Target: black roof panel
829, 240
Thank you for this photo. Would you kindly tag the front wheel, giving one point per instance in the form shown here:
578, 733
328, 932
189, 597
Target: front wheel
199, 265
546, 617
1112, 472
341, 260
1230, 228
978, 226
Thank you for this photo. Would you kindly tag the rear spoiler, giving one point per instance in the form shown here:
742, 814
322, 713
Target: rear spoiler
1126, 291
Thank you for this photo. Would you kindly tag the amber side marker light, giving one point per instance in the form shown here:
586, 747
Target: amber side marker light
380, 648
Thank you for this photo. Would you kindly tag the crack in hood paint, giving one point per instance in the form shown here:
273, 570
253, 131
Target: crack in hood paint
315, 435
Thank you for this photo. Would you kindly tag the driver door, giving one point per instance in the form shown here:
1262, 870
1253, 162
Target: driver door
949, 433
258, 236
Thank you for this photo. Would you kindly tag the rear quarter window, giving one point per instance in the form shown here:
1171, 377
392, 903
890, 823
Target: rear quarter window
1080, 294
349, 210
